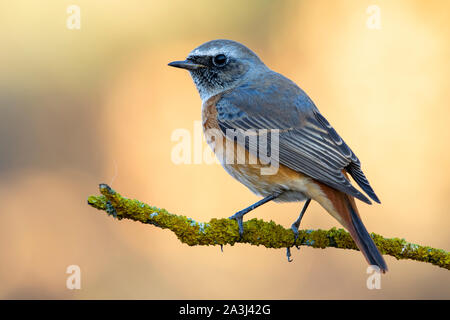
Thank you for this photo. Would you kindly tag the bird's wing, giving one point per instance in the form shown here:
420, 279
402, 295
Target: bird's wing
307, 143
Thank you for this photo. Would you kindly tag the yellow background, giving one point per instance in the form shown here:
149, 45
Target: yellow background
99, 104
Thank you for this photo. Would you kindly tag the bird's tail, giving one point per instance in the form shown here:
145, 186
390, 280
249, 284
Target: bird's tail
362, 238
345, 211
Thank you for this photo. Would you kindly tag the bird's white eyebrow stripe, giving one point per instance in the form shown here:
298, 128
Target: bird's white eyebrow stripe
211, 52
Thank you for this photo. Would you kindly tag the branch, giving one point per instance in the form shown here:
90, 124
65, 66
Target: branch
257, 232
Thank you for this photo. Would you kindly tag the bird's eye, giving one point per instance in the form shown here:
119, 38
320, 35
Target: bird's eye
220, 60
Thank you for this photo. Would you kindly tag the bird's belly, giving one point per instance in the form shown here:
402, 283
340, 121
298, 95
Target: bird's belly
289, 184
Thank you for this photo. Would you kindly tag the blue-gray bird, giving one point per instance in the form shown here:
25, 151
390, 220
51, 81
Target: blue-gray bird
242, 96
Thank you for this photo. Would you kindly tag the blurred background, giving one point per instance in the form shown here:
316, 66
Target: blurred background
79, 107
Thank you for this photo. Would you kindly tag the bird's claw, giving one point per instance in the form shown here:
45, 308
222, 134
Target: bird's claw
288, 254
294, 228
240, 221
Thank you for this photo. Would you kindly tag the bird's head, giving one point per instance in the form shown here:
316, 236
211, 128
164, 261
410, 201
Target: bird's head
219, 65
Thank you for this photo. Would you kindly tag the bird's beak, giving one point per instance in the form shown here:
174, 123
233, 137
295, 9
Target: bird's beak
186, 64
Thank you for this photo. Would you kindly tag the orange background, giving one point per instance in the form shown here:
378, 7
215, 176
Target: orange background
99, 104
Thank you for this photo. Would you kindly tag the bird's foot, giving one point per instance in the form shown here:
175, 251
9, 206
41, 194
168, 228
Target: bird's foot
294, 228
288, 254
238, 216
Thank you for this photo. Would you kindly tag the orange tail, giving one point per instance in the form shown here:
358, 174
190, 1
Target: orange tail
345, 211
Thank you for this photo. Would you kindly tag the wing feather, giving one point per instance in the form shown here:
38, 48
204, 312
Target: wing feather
307, 142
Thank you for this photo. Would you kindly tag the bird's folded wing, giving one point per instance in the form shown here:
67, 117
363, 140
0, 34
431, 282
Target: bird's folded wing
306, 141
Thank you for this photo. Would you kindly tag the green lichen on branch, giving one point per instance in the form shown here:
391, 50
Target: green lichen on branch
257, 232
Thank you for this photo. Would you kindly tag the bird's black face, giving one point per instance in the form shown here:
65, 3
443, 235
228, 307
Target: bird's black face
219, 73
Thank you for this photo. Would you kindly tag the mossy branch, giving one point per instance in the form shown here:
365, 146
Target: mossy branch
257, 232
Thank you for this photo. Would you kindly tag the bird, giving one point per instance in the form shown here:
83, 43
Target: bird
244, 101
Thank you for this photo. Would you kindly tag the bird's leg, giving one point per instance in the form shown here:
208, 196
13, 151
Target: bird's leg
238, 216
295, 226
